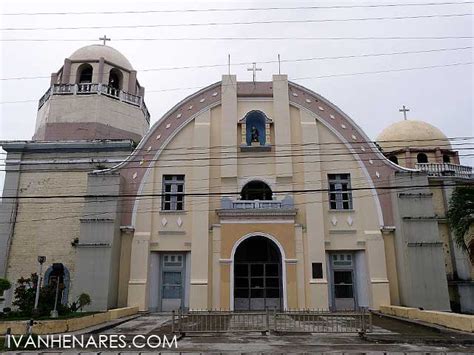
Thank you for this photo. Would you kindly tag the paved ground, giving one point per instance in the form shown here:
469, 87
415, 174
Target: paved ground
389, 335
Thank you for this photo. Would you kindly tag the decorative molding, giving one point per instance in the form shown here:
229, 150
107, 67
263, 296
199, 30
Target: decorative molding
349, 220
93, 245
423, 244
97, 220
225, 261
379, 281
165, 232
316, 281
342, 231
387, 229
291, 261
127, 229
198, 282
137, 282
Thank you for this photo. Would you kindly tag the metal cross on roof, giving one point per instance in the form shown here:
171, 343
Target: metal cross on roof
254, 69
104, 39
404, 110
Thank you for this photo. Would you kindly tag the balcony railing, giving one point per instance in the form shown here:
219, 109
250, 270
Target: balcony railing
97, 89
445, 169
260, 209
230, 204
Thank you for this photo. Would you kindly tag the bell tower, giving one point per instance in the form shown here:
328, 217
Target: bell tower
95, 95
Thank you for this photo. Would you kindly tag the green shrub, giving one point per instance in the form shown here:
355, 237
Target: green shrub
4, 285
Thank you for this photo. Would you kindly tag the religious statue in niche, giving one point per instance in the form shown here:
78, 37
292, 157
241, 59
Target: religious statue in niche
255, 130
254, 135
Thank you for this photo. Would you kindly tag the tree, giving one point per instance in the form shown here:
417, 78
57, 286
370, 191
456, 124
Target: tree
461, 214
25, 294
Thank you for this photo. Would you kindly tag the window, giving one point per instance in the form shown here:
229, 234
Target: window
342, 259
317, 270
446, 159
84, 74
340, 197
422, 158
256, 190
173, 193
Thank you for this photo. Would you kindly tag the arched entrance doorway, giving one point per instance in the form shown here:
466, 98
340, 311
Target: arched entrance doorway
258, 281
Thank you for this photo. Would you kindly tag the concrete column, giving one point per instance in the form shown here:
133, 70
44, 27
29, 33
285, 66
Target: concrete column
315, 245
282, 124
132, 82
137, 285
54, 79
408, 161
229, 126
216, 267
377, 268
100, 74
66, 78
300, 267
199, 290
438, 155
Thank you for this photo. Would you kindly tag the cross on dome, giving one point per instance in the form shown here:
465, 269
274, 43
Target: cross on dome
404, 110
104, 39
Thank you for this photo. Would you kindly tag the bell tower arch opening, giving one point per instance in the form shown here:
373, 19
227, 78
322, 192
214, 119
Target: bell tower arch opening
257, 275
84, 74
115, 79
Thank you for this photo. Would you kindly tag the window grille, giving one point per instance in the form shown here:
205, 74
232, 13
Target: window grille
173, 193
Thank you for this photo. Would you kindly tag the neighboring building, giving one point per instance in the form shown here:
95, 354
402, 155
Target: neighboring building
244, 195
419, 145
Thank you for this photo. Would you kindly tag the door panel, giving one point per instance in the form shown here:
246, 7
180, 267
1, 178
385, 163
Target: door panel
344, 290
257, 286
172, 282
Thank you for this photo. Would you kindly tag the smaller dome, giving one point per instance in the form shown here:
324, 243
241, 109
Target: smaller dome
96, 51
412, 134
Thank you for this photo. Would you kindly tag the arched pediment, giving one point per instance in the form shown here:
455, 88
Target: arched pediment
374, 164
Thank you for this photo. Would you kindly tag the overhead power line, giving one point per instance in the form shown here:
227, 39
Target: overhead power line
297, 60
292, 38
294, 79
334, 146
238, 23
272, 8
49, 210
208, 194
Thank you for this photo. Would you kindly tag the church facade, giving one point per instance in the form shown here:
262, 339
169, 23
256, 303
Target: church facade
244, 196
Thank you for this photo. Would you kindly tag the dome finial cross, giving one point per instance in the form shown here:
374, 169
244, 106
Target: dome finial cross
104, 39
404, 110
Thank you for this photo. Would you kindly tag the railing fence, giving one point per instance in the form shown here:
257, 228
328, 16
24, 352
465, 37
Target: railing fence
289, 321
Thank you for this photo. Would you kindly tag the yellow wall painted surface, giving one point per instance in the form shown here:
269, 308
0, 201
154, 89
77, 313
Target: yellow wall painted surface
462, 322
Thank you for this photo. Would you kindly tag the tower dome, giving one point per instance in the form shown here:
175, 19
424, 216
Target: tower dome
412, 134
95, 95
94, 52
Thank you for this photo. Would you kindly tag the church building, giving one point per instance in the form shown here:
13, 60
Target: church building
245, 195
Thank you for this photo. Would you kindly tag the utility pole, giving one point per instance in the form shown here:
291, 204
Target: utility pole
41, 260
